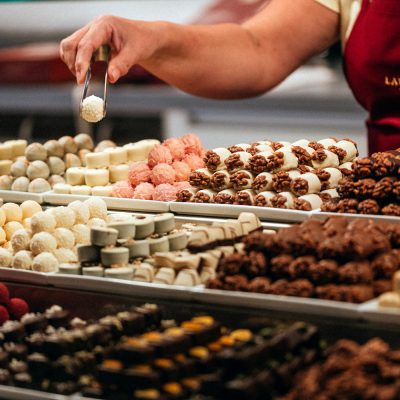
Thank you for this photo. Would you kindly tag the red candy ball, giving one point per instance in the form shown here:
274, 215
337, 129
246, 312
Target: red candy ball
18, 308
4, 315
4, 294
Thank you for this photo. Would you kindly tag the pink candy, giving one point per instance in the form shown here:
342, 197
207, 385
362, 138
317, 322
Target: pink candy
159, 155
165, 192
194, 161
182, 185
162, 173
139, 172
144, 191
192, 144
122, 189
182, 171
176, 147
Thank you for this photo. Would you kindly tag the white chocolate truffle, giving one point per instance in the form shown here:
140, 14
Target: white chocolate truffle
22, 260
29, 208
119, 173
84, 141
54, 179
136, 151
104, 191
6, 182
54, 148
97, 207
11, 227
65, 217
39, 185
96, 223
104, 144
36, 151
3, 217
45, 262
97, 160
37, 169
64, 237
20, 240
21, 184
118, 155
81, 190
5, 167
5, 258
12, 211
62, 188
42, 241
72, 160
65, 256
92, 109
81, 210
6, 152
43, 222
18, 168
56, 165
81, 233
97, 177
75, 176
69, 144
3, 237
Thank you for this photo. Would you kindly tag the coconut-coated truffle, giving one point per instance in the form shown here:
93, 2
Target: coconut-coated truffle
65, 256
37, 169
45, 262
64, 237
81, 233
12, 211
96, 222
11, 227
97, 207
42, 241
54, 148
3, 217
29, 208
56, 165
22, 260
5, 258
20, 240
21, 184
84, 141
65, 217
36, 151
39, 185
18, 168
81, 210
92, 109
6, 182
3, 237
43, 222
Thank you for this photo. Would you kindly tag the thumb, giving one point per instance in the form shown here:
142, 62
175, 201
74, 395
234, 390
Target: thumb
119, 65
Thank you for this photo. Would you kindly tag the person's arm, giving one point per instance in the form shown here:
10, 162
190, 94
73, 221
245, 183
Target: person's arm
218, 61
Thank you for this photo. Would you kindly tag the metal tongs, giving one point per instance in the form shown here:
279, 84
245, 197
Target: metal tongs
101, 54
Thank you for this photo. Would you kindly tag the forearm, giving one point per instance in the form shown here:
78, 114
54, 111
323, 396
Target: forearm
220, 61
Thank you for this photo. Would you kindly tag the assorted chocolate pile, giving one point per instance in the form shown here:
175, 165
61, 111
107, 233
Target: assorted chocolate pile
373, 189
300, 175
136, 354
333, 260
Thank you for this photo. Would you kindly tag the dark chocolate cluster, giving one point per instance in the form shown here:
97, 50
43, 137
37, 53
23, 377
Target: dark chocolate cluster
373, 189
333, 260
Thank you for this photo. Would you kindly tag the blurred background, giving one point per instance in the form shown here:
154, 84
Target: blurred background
39, 98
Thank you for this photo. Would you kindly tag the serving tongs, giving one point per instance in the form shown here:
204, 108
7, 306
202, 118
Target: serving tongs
101, 54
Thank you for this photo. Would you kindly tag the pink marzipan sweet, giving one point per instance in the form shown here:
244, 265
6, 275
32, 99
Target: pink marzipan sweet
162, 173
165, 192
182, 171
139, 172
159, 155
192, 144
144, 191
122, 189
194, 161
176, 147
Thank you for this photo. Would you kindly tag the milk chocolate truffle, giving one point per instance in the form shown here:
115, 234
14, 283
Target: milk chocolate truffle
20, 184
36, 151
18, 168
37, 169
84, 141
54, 148
56, 165
39, 185
69, 144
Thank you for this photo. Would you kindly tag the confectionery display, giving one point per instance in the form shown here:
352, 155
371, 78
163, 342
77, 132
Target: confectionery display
332, 260
300, 176
11, 307
373, 188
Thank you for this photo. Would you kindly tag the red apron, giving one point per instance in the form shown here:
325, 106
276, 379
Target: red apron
372, 68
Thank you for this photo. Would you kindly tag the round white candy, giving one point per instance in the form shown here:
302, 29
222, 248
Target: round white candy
21, 184
37, 169
45, 262
42, 241
97, 207
20, 240
5, 258
81, 233
43, 222
64, 216
29, 208
65, 256
81, 210
64, 237
92, 109
22, 260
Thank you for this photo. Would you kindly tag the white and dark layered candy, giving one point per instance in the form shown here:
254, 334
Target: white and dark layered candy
237, 161
226, 196
282, 160
283, 200
205, 196
280, 144
242, 180
345, 149
186, 195
260, 148
328, 194
308, 202
281, 181
245, 197
215, 159
263, 182
323, 158
239, 147
263, 199
220, 180
258, 162
200, 178
346, 168
329, 177
305, 184
301, 143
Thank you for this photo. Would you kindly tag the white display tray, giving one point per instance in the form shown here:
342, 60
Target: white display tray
16, 393
288, 304
322, 216
230, 210
19, 197
23, 276
383, 315
113, 203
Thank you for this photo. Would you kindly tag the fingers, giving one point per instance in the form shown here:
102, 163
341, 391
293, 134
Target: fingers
69, 46
119, 65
